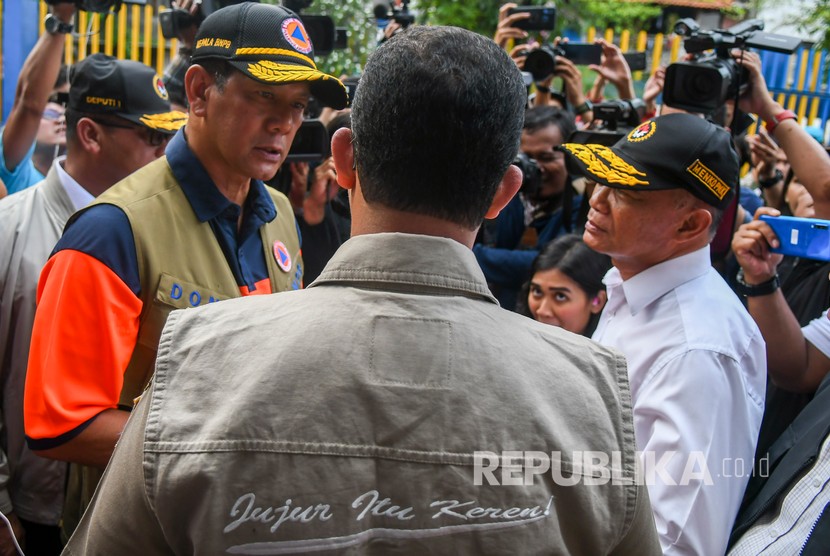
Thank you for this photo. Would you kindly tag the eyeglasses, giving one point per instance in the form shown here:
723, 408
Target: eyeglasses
150, 136
52, 115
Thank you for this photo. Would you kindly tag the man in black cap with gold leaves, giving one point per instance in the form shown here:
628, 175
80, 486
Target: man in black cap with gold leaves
119, 120
195, 227
696, 360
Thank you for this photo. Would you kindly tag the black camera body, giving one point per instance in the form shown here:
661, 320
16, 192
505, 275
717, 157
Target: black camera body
531, 174
618, 118
173, 21
541, 62
707, 82
386, 9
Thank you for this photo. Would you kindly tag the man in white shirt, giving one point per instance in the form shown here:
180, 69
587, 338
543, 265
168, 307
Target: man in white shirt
696, 359
118, 120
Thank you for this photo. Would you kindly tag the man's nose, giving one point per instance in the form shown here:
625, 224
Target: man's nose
599, 199
282, 119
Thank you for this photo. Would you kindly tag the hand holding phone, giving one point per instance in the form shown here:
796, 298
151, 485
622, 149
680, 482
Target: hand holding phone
808, 238
541, 18
582, 54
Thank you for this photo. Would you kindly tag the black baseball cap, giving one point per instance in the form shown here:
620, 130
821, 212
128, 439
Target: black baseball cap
675, 151
101, 84
268, 44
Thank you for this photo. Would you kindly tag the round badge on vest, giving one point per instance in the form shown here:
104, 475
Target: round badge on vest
282, 256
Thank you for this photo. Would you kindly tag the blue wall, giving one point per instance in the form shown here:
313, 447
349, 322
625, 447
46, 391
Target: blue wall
20, 26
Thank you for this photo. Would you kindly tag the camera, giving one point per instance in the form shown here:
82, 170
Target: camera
618, 118
172, 22
531, 174
541, 61
707, 82
385, 9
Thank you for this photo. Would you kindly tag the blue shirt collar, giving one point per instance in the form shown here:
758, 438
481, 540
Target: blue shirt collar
203, 195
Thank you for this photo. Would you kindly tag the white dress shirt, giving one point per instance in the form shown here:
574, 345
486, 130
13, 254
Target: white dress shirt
697, 368
79, 196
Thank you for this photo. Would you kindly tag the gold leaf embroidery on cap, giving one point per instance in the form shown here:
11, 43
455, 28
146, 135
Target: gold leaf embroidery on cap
276, 73
171, 121
274, 52
708, 178
616, 162
619, 171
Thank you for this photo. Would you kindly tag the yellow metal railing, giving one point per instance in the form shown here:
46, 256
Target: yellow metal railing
132, 33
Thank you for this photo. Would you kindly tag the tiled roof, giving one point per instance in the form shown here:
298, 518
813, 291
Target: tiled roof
700, 4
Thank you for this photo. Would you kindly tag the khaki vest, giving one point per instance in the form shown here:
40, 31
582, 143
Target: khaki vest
180, 265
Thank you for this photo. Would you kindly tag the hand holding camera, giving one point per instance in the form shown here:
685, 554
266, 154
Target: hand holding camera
507, 28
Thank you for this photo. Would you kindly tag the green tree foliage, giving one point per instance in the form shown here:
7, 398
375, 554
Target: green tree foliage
816, 22
602, 14
577, 15
480, 16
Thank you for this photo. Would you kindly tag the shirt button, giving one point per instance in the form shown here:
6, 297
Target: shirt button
816, 483
773, 533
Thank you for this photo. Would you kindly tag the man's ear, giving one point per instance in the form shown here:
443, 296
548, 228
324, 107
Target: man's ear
342, 152
88, 135
197, 80
696, 222
508, 187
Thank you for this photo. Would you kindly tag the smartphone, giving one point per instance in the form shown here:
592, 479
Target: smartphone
636, 60
582, 54
542, 18
808, 238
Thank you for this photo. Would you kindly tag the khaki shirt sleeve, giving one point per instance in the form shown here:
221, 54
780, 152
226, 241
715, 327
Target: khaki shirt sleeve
641, 537
120, 519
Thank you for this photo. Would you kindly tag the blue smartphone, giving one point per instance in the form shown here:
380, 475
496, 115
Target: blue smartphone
808, 238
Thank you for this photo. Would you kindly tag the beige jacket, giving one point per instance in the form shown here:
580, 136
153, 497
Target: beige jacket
346, 418
31, 223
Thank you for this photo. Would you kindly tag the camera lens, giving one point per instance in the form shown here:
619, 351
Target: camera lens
540, 62
531, 174
700, 84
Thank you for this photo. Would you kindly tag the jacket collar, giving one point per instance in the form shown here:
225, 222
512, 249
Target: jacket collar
409, 263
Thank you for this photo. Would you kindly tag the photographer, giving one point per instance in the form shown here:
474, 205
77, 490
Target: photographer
542, 211
572, 96
803, 283
34, 86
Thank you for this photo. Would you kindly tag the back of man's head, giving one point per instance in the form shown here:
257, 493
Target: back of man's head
436, 121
